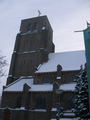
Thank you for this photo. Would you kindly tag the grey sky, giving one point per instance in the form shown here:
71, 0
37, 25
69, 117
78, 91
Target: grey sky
65, 16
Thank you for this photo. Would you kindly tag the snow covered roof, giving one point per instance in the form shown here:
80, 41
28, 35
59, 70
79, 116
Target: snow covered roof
18, 85
68, 60
68, 86
41, 88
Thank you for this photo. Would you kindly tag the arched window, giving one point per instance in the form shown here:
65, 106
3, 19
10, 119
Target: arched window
70, 103
73, 78
19, 102
41, 103
47, 80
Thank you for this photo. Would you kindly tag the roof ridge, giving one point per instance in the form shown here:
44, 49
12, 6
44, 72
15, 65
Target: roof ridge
18, 80
67, 51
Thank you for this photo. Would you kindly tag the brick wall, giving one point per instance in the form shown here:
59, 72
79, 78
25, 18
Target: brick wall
66, 76
39, 78
64, 99
10, 99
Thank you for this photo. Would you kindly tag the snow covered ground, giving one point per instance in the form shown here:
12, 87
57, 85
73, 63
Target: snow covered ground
69, 119
66, 119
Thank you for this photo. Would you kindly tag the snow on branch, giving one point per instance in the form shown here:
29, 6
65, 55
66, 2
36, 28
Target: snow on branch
3, 63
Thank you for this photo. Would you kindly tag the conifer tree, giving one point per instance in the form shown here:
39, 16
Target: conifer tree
81, 100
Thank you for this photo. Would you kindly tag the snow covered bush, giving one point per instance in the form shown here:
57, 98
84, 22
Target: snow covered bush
81, 99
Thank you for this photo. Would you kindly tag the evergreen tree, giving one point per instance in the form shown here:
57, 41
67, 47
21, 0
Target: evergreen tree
81, 100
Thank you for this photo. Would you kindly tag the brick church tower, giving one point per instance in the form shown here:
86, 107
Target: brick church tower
33, 43
36, 72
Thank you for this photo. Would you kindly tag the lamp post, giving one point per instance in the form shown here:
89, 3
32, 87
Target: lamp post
59, 91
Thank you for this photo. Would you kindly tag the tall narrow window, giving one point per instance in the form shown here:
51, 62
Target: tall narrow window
70, 103
24, 62
29, 27
31, 61
19, 102
41, 103
35, 25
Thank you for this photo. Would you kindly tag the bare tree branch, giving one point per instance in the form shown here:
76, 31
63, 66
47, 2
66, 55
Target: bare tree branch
3, 64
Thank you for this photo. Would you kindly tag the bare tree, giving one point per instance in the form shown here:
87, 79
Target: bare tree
3, 63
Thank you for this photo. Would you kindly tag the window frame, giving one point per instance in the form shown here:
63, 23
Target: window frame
35, 26
46, 79
73, 78
29, 27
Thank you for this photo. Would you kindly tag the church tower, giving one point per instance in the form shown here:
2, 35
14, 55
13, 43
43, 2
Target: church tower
33, 43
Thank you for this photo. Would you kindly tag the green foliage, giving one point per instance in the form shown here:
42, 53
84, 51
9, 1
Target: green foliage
81, 99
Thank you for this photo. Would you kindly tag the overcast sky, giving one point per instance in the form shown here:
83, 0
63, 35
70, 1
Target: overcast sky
65, 16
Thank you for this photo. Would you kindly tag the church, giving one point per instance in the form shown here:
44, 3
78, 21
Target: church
36, 72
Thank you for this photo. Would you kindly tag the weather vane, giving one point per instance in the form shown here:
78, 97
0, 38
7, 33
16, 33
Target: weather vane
39, 13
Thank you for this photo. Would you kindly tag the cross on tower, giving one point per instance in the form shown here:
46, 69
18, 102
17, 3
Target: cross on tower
39, 13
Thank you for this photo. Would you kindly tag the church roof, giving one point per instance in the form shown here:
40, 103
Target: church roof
68, 86
68, 60
41, 88
17, 86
